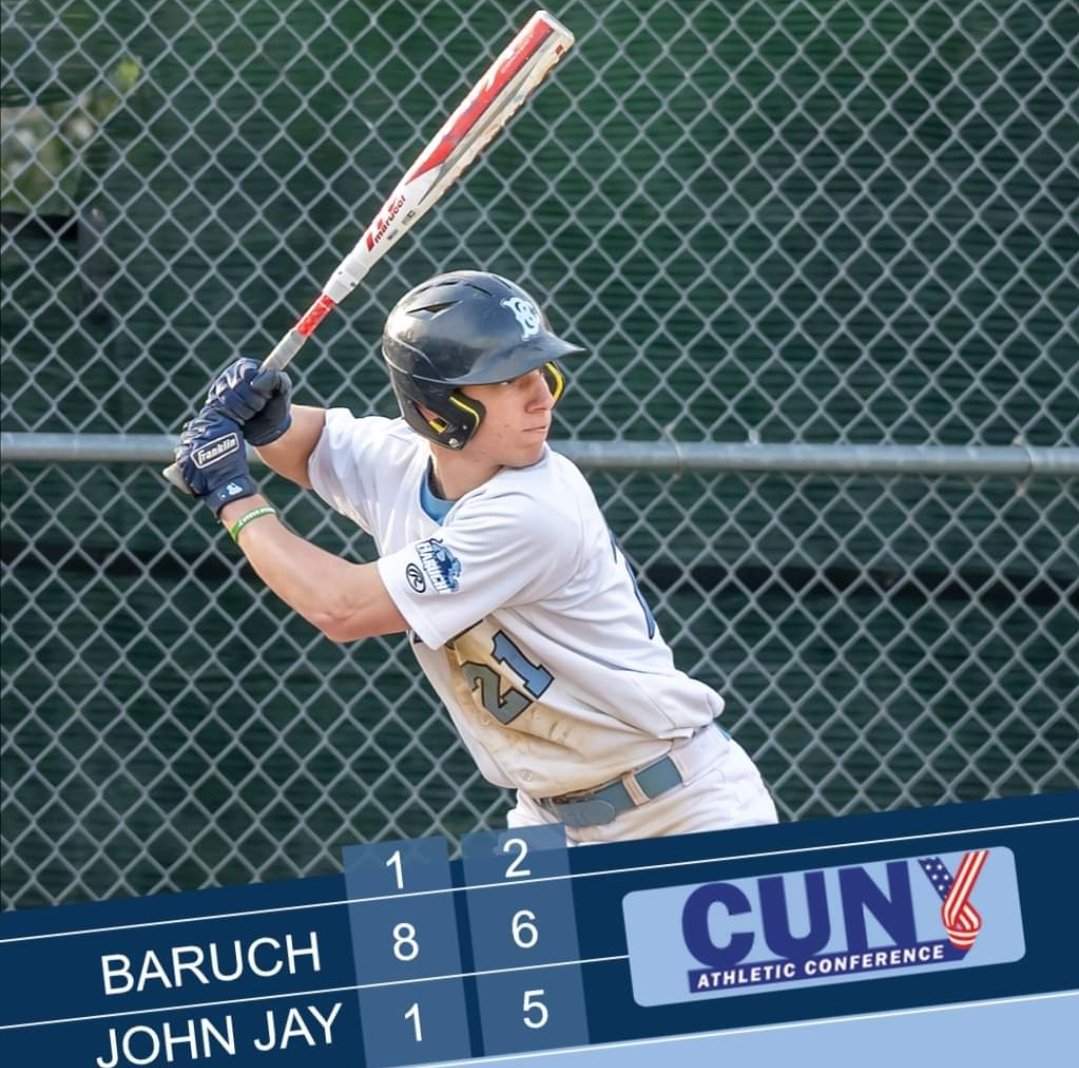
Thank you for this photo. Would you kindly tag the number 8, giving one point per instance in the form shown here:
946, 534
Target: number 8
405, 946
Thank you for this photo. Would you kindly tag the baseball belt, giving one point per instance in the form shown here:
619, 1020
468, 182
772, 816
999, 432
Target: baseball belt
638, 787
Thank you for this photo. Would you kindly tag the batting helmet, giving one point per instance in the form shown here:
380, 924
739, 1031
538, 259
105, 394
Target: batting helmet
459, 329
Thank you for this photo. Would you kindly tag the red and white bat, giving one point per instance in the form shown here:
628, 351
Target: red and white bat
526, 61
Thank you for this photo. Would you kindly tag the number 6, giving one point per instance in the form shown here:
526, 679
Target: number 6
525, 933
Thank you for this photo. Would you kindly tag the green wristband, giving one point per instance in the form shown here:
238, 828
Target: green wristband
247, 517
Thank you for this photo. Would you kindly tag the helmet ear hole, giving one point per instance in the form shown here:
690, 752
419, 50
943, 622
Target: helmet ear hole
470, 414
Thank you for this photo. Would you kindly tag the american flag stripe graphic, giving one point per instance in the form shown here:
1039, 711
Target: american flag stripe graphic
961, 919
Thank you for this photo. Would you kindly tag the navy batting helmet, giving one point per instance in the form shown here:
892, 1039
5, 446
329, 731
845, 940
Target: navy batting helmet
459, 329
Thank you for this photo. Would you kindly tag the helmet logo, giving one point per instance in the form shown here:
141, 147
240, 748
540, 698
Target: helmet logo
526, 314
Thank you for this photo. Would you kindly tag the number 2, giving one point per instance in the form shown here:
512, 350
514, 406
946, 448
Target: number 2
506, 707
520, 846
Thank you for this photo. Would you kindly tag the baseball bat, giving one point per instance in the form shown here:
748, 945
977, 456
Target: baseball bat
491, 103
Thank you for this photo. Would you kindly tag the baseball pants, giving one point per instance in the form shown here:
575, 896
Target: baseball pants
722, 789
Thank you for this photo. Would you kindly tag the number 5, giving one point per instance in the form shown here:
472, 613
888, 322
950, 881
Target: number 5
531, 1003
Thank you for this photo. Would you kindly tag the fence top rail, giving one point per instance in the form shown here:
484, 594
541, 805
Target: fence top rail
1016, 461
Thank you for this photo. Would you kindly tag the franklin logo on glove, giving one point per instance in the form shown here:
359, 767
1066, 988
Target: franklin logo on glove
212, 459
215, 450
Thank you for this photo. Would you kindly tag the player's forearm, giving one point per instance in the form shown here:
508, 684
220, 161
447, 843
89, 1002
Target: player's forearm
344, 600
290, 453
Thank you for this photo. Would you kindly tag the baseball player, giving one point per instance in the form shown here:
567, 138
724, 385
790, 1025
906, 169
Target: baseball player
493, 557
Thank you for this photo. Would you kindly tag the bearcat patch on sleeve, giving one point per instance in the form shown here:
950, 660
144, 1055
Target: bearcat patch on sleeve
438, 565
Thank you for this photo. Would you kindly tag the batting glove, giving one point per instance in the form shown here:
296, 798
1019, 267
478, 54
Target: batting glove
258, 400
213, 460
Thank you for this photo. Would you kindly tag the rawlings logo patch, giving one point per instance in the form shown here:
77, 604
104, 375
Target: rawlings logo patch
414, 577
215, 450
439, 565
526, 314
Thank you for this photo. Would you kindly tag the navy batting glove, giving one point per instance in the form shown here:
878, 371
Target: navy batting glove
213, 460
258, 400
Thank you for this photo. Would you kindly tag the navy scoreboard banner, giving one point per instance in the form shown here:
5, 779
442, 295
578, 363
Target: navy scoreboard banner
907, 927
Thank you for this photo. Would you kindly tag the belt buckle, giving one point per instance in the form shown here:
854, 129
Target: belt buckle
584, 808
575, 797
588, 809
587, 812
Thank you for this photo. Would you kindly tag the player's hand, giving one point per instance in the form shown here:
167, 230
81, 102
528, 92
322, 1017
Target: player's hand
258, 400
213, 460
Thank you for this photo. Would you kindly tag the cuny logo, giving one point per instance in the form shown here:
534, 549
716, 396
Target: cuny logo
810, 927
801, 951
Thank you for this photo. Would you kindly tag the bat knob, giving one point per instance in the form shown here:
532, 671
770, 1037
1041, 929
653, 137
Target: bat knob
172, 474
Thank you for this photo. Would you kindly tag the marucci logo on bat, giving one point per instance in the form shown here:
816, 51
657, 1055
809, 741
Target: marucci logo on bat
382, 223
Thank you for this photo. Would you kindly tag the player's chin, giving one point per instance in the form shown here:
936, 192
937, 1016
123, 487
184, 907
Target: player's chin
530, 451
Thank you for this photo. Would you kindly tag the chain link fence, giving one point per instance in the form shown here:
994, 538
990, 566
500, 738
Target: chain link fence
843, 223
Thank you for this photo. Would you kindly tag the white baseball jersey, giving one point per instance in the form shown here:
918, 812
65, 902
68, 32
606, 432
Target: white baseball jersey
524, 613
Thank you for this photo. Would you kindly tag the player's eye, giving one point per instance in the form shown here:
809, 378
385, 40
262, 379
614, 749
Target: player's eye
521, 380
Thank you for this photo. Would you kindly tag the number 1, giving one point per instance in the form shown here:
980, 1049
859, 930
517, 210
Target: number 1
413, 1014
395, 863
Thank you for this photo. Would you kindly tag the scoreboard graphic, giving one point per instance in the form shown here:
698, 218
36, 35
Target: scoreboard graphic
521, 946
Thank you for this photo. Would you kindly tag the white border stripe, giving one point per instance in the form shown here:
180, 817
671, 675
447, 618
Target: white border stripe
307, 993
